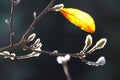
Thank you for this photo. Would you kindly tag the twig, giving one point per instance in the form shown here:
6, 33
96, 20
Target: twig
65, 68
47, 53
37, 18
21, 45
22, 42
18, 45
11, 23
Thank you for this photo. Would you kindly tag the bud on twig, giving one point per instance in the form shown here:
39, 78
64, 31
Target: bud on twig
7, 54
57, 7
37, 41
63, 59
88, 42
12, 56
31, 37
35, 14
7, 21
100, 44
100, 62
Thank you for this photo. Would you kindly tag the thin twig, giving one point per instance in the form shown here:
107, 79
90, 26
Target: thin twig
21, 45
48, 53
37, 18
16, 46
11, 23
65, 68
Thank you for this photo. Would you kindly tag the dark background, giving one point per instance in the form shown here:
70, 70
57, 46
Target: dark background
57, 33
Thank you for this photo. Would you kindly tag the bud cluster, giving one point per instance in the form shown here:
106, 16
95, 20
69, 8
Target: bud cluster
63, 59
99, 45
36, 46
7, 54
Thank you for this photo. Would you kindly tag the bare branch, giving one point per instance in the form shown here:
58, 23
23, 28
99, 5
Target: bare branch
11, 23
35, 48
46, 53
37, 18
67, 74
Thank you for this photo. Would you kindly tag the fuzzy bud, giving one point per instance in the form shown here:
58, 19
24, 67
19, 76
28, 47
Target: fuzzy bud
99, 45
13, 55
31, 37
35, 14
63, 59
100, 62
57, 7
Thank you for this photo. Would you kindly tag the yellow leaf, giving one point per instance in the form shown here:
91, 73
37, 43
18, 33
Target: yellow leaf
79, 18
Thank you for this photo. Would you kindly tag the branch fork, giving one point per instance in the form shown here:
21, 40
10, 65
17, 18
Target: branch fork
35, 48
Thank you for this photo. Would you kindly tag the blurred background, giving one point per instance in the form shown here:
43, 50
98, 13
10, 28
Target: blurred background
57, 33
